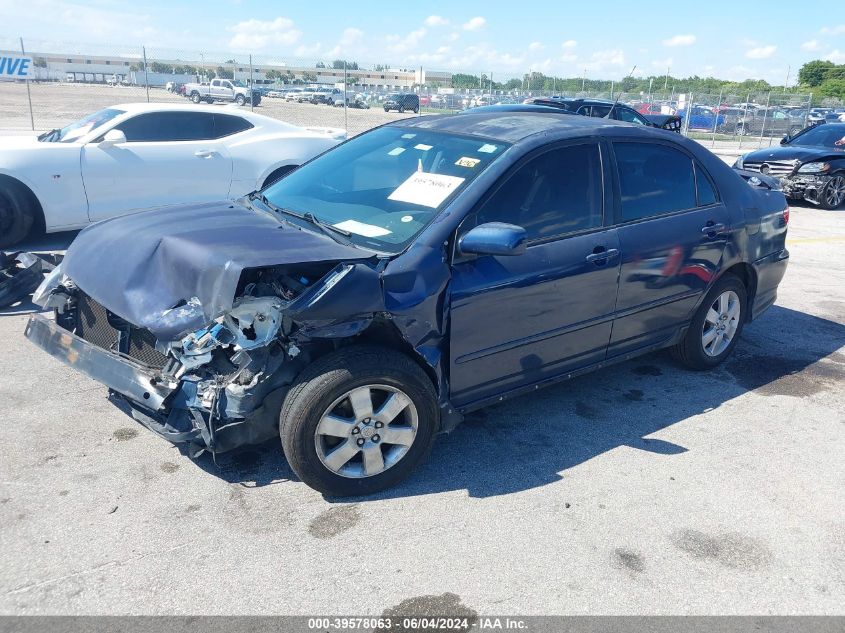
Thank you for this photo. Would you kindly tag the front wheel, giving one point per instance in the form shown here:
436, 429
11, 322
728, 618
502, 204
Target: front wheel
417, 110
833, 193
16, 214
716, 326
195, 97
358, 420
240, 100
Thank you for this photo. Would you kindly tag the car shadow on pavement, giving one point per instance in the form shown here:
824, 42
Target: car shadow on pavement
532, 440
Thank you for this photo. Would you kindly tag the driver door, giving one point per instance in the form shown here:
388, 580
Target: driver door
520, 320
169, 158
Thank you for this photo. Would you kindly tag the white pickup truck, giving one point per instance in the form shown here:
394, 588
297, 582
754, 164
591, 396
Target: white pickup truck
222, 90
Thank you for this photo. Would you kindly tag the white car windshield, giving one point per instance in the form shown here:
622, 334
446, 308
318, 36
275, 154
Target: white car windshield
385, 186
80, 128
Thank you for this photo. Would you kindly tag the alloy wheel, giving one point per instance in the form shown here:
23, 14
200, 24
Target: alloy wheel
366, 431
721, 323
834, 193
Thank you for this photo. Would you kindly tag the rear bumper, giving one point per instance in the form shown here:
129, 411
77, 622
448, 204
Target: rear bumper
770, 271
120, 374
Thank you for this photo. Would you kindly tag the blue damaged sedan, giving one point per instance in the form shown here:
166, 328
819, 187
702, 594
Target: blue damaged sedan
371, 298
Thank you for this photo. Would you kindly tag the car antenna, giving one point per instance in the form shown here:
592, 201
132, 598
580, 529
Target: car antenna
607, 116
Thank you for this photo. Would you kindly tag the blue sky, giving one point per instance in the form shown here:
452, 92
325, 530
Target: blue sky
507, 38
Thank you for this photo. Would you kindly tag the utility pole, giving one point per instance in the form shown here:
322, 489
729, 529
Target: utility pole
666, 82
584, 80
786, 83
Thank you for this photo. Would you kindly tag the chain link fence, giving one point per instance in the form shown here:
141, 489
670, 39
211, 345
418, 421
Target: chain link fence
68, 81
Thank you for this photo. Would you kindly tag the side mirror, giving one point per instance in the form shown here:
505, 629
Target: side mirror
494, 238
785, 139
112, 137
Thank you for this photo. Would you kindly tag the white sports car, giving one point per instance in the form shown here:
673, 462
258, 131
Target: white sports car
142, 155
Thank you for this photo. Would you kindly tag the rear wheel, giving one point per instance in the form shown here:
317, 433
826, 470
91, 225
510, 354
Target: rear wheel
401, 109
416, 110
358, 420
833, 194
715, 328
17, 214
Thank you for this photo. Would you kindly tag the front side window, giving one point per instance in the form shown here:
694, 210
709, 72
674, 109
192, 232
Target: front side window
654, 180
557, 192
385, 186
159, 127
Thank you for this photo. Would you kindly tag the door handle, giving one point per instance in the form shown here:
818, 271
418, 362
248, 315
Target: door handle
204, 153
713, 228
599, 257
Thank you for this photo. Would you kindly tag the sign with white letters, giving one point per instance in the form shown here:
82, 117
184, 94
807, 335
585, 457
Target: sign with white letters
15, 67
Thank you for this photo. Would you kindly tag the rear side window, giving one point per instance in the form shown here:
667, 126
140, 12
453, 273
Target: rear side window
555, 193
654, 180
704, 186
226, 125
626, 114
161, 127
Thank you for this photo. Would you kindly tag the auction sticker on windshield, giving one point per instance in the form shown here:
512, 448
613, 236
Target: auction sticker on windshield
360, 228
427, 190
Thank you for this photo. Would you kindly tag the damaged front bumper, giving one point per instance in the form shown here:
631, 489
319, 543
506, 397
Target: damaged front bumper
119, 374
175, 409
805, 187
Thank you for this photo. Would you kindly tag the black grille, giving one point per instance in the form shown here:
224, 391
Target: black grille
96, 325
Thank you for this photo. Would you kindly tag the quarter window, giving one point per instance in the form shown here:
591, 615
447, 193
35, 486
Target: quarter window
226, 125
654, 180
555, 193
704, 186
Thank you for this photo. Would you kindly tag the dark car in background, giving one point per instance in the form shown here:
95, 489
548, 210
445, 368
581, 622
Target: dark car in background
422, 270
401, 101
610, 109
771, 122
809, 165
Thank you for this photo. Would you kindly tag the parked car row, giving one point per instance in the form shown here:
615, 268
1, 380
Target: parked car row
363, 302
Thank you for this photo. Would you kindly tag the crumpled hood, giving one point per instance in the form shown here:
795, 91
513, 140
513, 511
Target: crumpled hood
142, 266
791, 152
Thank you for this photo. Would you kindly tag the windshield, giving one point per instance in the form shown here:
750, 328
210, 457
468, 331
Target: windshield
822, 136
80, 128
385, 186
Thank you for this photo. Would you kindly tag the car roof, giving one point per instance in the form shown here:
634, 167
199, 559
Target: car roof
512, 127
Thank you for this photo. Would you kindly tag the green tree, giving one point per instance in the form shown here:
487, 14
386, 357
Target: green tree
158, 67
321, 65
813, 73
464, 81
832, 88
39, 62
225, 74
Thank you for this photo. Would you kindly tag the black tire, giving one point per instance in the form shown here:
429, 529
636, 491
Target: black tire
278, 175
690, 351
740, 130
401, 109
387, 109
826, 198
240, 99
417, 110
195, 97
328, 379
17, 213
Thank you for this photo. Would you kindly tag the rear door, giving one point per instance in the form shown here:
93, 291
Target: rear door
169, 158
522, 319
673, 229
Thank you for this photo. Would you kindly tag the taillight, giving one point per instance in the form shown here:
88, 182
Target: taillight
786, 216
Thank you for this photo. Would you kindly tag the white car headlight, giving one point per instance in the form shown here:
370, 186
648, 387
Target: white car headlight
814, 168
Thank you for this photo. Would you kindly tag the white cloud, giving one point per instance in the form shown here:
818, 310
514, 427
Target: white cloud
436, 20
761, 52
398, 44
475, 24
836, 56
602, 60
257, 34
569, 57
680, 40
535, 46
811, 45
834, 30
349, 44
569, 44
663, 64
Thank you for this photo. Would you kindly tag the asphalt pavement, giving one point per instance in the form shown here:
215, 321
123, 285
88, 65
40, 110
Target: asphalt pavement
641, 489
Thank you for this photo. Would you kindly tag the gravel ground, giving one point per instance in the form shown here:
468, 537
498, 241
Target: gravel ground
640, 489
